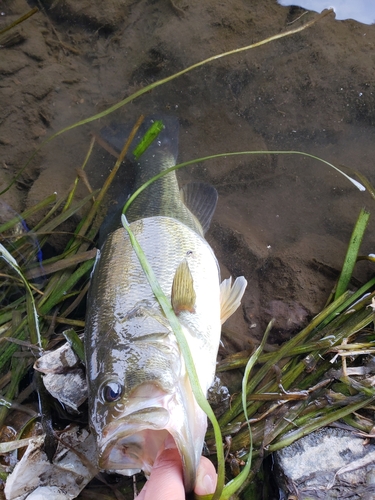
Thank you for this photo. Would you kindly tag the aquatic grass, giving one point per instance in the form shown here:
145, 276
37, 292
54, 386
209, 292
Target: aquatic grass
62, 288
19, 368
52, 224
352, 252
14, 445
32, 314
361, 177
76, 344
148, 138
323, 421
60, 263
65, 280
28, 319
274, 358
19, 20
27, 213
298, 418
75, 185
237, 482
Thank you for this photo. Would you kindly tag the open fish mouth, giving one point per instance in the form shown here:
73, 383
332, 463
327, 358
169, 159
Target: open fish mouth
132, 443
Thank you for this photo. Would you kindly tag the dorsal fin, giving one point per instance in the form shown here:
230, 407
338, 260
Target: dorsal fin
200, 199
183, 294
230, 296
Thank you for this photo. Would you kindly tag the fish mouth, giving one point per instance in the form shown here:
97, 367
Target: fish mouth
132, 443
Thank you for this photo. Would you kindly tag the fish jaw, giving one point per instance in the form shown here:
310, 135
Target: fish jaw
133, 441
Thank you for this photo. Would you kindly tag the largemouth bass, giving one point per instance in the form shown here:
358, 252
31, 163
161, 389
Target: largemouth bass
140, 398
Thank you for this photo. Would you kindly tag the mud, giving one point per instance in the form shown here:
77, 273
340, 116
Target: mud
283, 221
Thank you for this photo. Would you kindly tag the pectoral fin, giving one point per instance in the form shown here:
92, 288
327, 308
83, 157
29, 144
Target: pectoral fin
230, 296
183, 294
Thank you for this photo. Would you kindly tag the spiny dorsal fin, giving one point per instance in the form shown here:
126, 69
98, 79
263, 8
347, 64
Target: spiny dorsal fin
200, 199
183, 293
230, 296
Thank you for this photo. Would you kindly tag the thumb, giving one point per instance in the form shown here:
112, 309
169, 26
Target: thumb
206, 478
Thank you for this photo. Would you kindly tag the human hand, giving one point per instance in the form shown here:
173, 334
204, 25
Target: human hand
166, 481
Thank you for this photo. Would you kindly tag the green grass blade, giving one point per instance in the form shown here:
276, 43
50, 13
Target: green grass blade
352, 252
358, 185
93, 211
63, 288
59, 219
61, 264
185, 350
19, 367
73, 191
323, 421
27, 213
32, 313
233, 486
75, 343
277, 356
148, 138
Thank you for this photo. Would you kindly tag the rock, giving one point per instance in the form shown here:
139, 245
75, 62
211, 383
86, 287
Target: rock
329, 463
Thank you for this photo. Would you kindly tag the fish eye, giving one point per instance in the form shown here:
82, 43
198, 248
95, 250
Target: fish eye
111, 391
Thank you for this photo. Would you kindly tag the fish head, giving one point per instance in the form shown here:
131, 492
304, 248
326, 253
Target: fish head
141, 404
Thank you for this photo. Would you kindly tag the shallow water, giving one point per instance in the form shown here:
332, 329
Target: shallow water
283, 220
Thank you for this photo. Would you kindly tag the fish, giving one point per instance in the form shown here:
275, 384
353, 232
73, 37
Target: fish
140, 398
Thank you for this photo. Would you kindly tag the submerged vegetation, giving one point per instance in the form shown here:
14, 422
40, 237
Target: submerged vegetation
321, 376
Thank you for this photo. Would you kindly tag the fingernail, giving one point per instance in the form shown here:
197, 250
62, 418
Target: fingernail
208, 484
